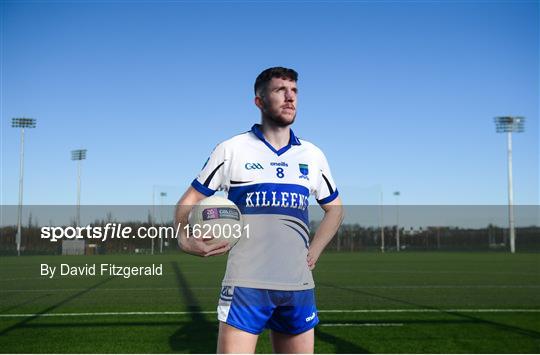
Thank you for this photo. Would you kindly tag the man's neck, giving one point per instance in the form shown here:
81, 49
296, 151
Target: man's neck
277, 136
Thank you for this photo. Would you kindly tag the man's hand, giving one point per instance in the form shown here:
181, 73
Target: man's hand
312, 258
192, 245
333, 216
197, 246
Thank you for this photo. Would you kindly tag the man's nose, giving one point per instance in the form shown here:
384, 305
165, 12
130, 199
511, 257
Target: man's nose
290, 95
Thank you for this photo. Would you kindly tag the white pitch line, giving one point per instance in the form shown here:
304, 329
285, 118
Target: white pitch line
339, 271
431, 310
108, 289
431, 286
456, 272
83, 314
22, 278
360, 324
319, 287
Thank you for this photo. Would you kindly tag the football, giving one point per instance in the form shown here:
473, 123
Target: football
214, 219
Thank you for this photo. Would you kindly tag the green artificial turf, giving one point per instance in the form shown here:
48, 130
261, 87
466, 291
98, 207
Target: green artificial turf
376, 303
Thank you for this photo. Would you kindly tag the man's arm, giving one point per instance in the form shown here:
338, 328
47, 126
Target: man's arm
333, 216
192, 245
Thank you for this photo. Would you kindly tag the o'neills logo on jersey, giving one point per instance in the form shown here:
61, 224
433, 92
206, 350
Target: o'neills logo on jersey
279, 164
277, 199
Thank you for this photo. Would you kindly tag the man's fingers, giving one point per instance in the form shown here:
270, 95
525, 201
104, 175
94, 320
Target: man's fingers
219, 251
217, 248
202, 247
219, 245
311, 261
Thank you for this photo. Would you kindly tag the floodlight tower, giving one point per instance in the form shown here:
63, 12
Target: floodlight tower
509, 124
397, 193
78, 155
381, 217
162, 196
21, 123
153, 216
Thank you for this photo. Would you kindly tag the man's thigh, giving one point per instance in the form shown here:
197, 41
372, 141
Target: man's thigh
302, 343
232, 340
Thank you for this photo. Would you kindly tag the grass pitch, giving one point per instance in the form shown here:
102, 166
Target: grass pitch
380, 303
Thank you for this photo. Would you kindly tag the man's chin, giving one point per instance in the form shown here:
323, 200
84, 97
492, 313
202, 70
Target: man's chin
282, 121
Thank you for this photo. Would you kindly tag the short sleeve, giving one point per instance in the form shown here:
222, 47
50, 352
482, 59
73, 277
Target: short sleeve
326, 190
212, 176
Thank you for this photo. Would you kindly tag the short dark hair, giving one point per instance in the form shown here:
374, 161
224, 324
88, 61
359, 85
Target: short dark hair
276, 72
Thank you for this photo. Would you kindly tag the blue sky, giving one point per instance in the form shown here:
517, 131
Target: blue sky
399, 95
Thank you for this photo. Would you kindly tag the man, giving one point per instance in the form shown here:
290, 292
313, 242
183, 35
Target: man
269, 173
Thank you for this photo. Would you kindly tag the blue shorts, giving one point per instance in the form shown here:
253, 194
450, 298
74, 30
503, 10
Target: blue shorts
252, 309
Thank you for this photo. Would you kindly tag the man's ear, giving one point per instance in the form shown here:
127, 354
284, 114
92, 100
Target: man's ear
259, 102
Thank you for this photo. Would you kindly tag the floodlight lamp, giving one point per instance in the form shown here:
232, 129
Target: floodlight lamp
79, 154
22, 122
505, 124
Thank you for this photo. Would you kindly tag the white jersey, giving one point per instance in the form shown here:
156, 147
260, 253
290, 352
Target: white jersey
271, 187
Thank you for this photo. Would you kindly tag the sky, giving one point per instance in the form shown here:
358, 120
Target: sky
399, 95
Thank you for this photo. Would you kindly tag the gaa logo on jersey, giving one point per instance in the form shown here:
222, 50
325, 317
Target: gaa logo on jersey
253, 166
304, 171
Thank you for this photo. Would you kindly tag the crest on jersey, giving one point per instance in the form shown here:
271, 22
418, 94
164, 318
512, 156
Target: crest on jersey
304, 171
226, 293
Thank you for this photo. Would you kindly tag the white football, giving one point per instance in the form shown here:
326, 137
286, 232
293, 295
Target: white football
214, 219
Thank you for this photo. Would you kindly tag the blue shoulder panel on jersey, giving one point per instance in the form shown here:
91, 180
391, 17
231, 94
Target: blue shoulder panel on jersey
269, 198
328, 199
202, 189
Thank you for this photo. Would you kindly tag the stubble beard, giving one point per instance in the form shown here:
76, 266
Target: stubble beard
278, 120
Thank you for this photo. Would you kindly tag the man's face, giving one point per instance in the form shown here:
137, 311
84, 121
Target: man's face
279, 101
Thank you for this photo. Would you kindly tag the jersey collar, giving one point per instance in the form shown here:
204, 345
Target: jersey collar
293, 140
